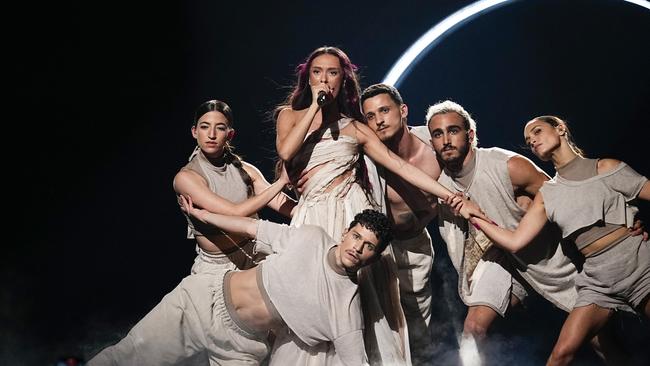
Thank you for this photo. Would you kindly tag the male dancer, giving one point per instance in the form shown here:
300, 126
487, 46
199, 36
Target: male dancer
409, 209
498, 179
306, 286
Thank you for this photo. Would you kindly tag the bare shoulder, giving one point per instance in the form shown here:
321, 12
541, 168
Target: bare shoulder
288, 114
185, 174
187, 177
424, 158
520, 162
607, 165
524, 173
357, 129
423, 149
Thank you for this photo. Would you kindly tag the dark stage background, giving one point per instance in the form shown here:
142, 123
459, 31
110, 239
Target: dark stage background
106, 97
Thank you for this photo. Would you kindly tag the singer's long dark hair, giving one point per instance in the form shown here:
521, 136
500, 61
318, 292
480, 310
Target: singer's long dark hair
348, 101
348, 98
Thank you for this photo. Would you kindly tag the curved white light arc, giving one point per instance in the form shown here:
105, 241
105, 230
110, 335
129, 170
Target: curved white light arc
643, 3
427, 40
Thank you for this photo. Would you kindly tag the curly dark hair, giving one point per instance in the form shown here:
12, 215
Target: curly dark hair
376, 222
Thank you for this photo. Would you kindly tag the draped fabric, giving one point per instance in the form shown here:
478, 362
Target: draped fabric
333, 205
322, 202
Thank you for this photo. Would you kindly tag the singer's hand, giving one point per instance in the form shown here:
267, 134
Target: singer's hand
320, 87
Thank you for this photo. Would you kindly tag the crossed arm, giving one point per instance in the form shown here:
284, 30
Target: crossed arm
189, 183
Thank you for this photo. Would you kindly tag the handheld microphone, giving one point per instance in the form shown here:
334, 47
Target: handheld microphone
322, 98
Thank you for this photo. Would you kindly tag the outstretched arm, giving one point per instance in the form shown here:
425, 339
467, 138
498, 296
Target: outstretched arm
378, 152
244, 226
529, 226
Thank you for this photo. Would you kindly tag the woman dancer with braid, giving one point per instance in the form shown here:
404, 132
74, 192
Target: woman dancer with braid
220, 182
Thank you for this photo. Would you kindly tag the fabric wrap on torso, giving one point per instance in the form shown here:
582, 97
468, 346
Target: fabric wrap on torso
334, 156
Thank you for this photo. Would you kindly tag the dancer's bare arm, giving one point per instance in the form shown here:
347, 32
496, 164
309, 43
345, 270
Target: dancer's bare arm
244, 226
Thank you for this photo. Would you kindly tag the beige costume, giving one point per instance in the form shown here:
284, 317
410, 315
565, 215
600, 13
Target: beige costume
226, 181
333, 208
542, 264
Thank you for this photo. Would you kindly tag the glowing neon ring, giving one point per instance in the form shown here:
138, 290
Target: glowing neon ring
434, 35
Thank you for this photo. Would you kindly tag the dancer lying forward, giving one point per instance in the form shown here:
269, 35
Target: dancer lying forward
224, 317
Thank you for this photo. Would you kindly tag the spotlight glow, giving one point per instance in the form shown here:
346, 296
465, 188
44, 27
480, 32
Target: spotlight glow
429, 39
469, 355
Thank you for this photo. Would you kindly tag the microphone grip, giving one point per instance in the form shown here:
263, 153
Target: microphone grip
321, 99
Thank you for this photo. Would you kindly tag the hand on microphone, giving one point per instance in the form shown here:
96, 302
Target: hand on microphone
322, 93
323, 98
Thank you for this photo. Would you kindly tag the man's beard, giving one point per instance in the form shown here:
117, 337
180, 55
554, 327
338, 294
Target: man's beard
455, 164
